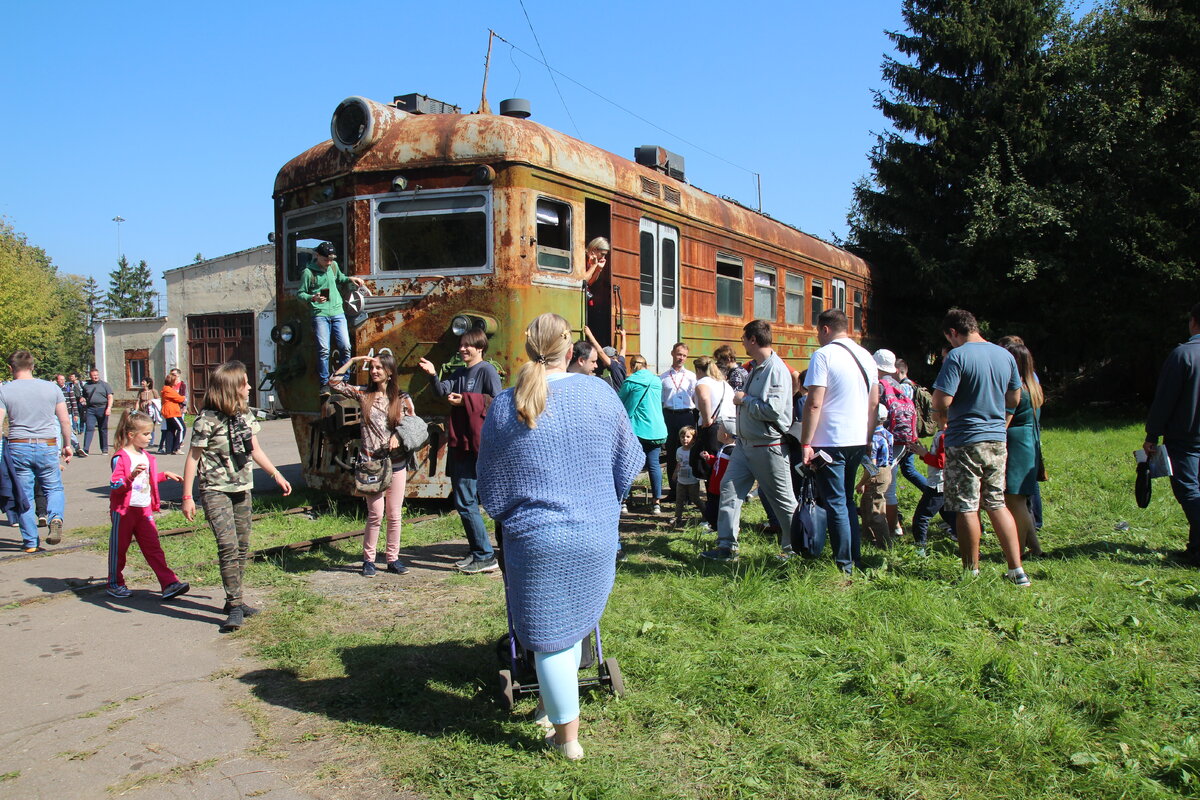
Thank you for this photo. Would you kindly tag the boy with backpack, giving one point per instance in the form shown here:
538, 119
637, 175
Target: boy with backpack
910, 417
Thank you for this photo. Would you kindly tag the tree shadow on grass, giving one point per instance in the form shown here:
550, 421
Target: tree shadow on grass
423, 689
1115, 550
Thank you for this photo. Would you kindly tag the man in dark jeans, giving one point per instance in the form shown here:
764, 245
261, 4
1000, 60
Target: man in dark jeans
98, 402
468, 390
1175, 416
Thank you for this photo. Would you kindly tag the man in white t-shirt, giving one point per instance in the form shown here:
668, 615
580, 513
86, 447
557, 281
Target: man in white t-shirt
679, 405
839, 416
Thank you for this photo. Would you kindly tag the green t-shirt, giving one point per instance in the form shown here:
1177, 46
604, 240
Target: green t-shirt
210, 432
323, 281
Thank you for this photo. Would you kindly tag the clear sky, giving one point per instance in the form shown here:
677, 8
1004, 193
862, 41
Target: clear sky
177, 116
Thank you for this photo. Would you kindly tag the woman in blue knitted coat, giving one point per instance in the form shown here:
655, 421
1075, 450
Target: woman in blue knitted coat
556, 457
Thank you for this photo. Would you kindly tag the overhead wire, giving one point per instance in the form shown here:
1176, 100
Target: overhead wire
549, 69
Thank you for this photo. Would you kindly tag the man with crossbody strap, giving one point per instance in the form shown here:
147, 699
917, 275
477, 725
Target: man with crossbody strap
839, 416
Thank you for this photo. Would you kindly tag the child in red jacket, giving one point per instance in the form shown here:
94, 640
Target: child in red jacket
718, 463
133, 501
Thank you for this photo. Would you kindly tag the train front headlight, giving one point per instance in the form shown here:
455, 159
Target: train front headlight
287, 333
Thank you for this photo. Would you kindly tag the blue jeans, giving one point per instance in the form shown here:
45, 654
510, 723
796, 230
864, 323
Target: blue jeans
37, 463
1185, 483
323, 329
95, 418
466, 501
654, 466
931, 503
835, 487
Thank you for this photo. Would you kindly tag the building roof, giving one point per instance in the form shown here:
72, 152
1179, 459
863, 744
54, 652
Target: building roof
267, 246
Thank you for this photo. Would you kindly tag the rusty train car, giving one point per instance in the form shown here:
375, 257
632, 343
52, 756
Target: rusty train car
459, 220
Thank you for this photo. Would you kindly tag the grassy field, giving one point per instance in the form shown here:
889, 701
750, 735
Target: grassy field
752, 680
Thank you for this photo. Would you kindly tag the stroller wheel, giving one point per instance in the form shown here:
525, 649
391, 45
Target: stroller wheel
612, 675
505, 695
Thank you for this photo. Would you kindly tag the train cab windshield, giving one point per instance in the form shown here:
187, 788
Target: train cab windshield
308, 229
439, 233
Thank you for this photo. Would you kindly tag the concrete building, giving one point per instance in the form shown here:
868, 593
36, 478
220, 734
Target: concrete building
217, 309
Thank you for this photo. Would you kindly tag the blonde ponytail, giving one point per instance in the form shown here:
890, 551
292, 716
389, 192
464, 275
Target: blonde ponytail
547, 340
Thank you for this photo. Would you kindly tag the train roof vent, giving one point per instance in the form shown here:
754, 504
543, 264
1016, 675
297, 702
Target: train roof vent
661, 159
423, 104
671, 195
650, 187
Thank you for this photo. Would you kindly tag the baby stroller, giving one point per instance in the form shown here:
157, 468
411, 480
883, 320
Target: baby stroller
518, 675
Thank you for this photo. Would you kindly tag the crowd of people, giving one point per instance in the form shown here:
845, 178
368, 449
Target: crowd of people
847, 426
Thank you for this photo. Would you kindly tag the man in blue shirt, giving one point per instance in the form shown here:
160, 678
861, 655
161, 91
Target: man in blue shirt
1175, 416
979, 386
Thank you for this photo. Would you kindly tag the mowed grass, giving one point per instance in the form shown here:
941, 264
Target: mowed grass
753, 680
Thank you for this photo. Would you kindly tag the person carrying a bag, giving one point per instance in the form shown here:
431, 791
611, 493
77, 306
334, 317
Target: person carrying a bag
382, 465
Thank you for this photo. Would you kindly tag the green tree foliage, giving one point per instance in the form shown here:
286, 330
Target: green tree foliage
1044, 174
130, 291
957, 207
40, 310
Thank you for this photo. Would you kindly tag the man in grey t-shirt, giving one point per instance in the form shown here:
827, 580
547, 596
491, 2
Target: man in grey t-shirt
37, 416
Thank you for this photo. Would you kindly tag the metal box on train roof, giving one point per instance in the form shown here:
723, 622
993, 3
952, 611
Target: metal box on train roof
661, 159
423, 104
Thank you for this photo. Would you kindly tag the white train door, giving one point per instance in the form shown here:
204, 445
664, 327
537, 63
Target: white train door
658, 247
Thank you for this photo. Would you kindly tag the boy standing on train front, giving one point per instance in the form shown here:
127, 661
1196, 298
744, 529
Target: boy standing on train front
319, 287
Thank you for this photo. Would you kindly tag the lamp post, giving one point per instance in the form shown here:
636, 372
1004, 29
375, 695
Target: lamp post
118, 219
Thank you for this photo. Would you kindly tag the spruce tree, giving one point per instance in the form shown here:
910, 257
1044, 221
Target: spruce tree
956, 210
130, 291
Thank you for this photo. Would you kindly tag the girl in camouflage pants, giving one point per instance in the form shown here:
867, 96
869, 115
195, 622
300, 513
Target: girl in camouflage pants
223, 445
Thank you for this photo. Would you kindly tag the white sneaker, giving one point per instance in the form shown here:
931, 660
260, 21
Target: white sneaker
570, 751
624, 508
657, 510
542, 719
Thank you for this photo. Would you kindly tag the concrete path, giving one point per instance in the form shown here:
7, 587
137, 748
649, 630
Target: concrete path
134, 697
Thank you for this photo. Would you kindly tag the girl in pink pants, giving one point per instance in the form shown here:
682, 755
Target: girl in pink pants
383, 406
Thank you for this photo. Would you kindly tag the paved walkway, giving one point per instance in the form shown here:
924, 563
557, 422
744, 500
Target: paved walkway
127, 698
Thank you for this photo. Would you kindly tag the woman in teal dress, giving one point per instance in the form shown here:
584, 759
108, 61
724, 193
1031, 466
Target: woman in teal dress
1024, 445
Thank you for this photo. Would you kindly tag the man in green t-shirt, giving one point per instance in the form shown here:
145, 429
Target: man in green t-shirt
319, 287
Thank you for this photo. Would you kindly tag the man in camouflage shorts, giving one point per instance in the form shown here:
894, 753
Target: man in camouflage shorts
978, 388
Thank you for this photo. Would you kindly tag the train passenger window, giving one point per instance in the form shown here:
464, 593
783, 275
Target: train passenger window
838, 288
432, 233
668, 273
729, 285
304, 231
646, 244
858, 310
553, 235
765, 296
793, 299
818, 299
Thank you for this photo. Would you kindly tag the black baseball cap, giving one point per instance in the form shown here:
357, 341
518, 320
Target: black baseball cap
325, 249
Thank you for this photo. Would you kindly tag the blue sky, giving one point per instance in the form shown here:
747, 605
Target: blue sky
177, 116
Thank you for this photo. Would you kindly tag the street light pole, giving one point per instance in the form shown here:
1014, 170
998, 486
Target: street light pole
118, 219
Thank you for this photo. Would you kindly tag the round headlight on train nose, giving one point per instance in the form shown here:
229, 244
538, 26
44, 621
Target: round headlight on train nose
461, 324
284, 334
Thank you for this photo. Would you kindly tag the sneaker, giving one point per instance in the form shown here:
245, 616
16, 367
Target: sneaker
922, 552
42, 522
247, 611
624, 508
234, 621
175, 590
486, 565
465, 561
621, 554
784, 556
397, 567
570, 751
103, 452
118, 591
720, 554
81, 454
657, 511
369, 570
55, 534
1018, 577
30, 550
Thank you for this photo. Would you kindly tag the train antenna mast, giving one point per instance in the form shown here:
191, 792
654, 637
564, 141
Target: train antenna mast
484, 108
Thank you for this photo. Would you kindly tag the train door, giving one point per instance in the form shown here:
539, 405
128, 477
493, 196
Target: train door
659, 324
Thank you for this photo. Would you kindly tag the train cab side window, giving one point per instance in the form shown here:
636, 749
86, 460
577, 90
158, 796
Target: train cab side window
765, 295
729, 285
858, 310
793, 299
838, 288
818, 299
553, 235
